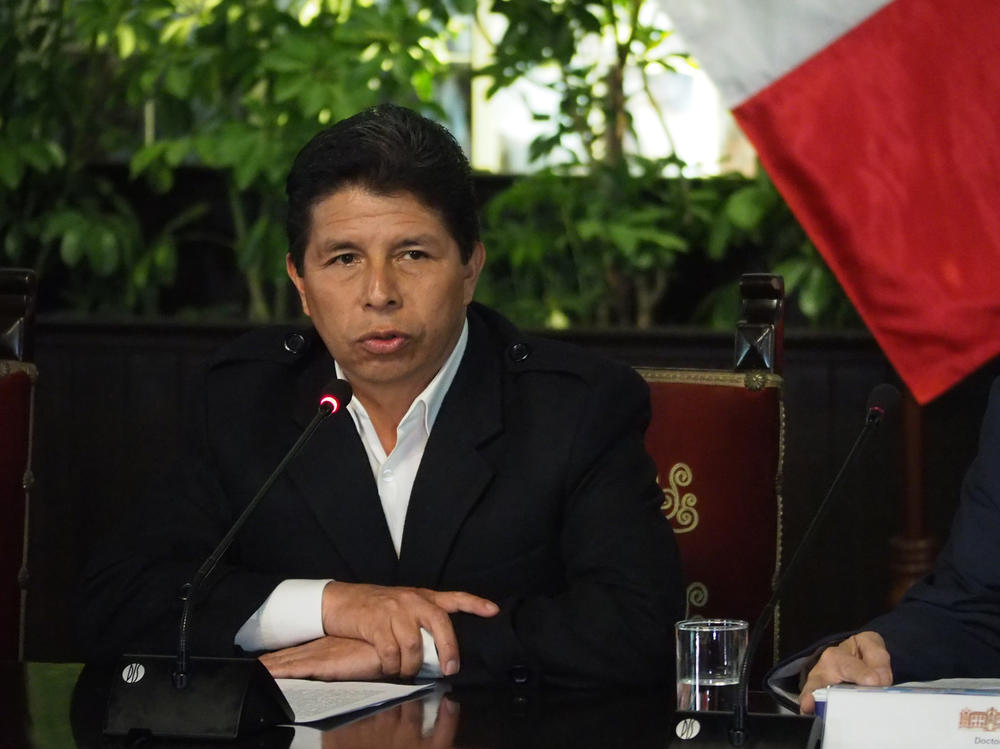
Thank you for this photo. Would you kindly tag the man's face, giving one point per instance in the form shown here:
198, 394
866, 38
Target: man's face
385, 286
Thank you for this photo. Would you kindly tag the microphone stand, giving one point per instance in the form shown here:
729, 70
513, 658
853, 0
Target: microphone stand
191, 589
722, 730
738, 733
157, 696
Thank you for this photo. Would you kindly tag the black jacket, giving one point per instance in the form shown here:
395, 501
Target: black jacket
534, 490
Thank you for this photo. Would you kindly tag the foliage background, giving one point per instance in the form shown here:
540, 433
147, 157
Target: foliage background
206, 102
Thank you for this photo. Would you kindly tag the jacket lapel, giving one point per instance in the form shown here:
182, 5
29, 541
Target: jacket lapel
335, 480
453, 473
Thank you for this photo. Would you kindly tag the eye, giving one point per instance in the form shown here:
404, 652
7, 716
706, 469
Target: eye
344, 258
414, 254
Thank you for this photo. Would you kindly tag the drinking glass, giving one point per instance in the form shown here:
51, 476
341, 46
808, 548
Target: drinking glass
709, 656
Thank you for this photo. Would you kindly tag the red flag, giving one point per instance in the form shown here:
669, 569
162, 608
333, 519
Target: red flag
885, 142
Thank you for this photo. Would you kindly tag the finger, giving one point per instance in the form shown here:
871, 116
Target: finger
411, 646
869, 667
388, 651
438, 623
290, 663
839, 664
445, 724
454, 600
871, 647
807, 703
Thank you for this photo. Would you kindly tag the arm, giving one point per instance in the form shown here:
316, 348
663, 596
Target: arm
611, 620
129, 591
948, 625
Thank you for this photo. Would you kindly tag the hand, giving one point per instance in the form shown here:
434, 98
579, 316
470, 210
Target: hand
390, 619
398, 726
326, 659
860, 659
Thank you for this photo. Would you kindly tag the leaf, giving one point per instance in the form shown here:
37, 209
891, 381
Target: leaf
589, 229
624, 237
178, 80
719, 237
71, 247
175, 151
288, 87
13, 242
793, 270
11, 167
423, 83
164, 258
36, 154
125, 35
145, 156
816, 293
59, 222
747, 206
103, 251
56, 154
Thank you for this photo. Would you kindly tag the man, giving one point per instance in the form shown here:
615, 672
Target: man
484, 511
948, 625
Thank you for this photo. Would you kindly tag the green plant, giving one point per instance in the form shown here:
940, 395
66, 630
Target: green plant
598, 238
58, 116
235, 85
753, 221
596, 248
593, 240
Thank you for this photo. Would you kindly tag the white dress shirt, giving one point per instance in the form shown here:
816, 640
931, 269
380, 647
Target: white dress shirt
292, 614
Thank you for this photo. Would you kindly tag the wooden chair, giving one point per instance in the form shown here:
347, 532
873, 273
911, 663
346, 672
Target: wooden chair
717, 437
17, 382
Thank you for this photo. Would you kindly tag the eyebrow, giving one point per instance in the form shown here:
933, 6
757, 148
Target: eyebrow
339, 245
335, 245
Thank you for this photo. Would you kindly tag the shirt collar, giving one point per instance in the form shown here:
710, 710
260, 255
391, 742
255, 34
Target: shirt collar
432, 396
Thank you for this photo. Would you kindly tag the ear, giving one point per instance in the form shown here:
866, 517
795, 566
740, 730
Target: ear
299, 281
473, 267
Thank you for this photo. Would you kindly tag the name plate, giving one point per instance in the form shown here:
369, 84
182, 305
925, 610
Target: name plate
931, 715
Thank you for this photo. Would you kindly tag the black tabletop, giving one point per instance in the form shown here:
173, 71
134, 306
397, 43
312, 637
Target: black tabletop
63, 705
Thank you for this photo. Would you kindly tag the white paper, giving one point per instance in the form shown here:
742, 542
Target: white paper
944, 684
316, 700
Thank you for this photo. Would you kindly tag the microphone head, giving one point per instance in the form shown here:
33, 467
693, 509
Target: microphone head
882, 401
336, 394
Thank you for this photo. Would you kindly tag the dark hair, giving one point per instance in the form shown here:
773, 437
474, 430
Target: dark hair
385, 149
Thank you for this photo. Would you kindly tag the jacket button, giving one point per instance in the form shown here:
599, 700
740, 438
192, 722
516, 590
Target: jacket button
295, 343
518, 352
520, 675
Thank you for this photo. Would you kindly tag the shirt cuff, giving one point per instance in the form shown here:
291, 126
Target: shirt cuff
431, 668
291, 615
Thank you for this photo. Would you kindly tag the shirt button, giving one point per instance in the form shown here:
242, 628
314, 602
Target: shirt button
387, 474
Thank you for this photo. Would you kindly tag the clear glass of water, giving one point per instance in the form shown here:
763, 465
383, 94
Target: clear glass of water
710, 653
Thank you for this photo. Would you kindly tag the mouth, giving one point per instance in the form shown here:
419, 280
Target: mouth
383, 341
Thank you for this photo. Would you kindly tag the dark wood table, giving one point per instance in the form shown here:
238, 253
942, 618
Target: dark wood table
63, 704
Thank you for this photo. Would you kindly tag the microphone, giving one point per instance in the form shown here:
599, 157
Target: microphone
882, 401
185, 697
781, 730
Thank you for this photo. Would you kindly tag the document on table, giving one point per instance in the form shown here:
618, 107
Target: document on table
944, 714
316, 700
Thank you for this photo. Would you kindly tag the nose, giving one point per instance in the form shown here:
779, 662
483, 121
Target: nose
381, 289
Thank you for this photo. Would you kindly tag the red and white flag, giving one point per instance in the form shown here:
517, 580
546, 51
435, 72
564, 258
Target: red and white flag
879, 122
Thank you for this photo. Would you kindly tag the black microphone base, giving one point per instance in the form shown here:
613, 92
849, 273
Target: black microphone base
713, 730
224, 698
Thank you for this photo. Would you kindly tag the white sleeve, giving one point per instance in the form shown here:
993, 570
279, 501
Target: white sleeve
291, 615
431, 668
